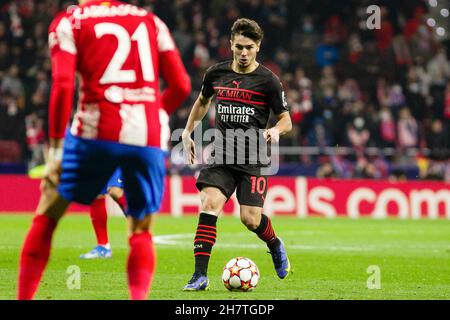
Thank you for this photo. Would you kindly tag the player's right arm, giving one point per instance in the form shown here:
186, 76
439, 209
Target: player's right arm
198, 112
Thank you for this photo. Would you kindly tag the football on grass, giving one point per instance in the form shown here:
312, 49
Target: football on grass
240, 274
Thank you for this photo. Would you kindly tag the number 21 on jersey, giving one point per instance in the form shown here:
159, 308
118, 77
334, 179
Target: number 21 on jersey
114, 72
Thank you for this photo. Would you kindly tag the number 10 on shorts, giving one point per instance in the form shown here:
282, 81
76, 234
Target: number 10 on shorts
258, 184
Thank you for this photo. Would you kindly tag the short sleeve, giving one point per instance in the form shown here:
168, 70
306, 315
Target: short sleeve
277, 98
207, 85
164, 38
61, 36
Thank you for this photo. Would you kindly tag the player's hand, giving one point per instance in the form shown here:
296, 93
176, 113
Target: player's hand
272, 134
189, 148
52, 174
52, 169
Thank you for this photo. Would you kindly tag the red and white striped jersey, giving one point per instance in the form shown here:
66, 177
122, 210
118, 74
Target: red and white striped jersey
119, 51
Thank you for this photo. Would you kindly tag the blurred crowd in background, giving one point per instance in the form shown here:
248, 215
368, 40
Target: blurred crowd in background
380, 97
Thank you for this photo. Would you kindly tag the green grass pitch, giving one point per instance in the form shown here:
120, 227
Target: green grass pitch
330, 259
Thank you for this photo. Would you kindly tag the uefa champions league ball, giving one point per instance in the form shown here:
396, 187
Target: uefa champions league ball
240, 274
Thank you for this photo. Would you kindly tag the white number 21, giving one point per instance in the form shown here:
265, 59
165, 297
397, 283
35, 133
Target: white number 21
114, 72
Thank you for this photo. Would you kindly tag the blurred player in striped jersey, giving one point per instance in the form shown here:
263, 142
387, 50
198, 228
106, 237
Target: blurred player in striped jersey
119, 51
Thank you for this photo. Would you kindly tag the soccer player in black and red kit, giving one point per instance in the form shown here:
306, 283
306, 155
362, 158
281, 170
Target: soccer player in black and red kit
246, 93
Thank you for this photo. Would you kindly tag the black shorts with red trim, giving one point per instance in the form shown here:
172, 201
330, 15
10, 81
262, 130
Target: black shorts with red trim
250, 189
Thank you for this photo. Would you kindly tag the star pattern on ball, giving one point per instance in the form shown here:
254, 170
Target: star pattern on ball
234, 271
245, 286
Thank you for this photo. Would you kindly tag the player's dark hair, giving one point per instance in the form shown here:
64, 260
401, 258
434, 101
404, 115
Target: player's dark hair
247, 28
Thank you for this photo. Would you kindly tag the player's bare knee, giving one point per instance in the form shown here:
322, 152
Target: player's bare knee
250, 217
212, 201
52, 204
249, 221
48, 188
140, 225
210, 205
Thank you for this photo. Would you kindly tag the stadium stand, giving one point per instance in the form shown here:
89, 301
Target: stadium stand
365, 103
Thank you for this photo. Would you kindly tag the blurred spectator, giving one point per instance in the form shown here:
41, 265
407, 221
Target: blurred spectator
183, 37
304, 86
11, 118
39, 98
447, 103
327, 53
349, 91
408, 132
201, 52
305, 40
318, 135
343, 167
385, 34
358, 135
35, 139
328, 79
5, 60
365, 170
423, 42
395, 98
370, 64
326, 171
223, 50
355, 48
4, 36
401, 49
397, 175
438, 170
387, 128
11, 83
438, 68
412, 24
438, 141
335, 30
417, 88
382, 92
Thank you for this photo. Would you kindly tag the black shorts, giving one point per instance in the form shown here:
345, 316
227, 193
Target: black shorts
250, 190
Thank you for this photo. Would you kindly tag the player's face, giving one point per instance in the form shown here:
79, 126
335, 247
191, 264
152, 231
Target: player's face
244, 50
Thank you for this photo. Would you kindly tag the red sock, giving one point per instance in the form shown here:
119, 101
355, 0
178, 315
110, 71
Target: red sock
34, 256
141, 265
99, 218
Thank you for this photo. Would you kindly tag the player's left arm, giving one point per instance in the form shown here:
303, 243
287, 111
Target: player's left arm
279, 105
283, 126
177, 80
61, 96
63, 59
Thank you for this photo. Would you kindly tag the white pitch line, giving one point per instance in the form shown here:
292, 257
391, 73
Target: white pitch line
184, 240
177, 240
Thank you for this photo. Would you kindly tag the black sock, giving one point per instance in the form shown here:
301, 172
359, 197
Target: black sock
266, 233
205, 238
